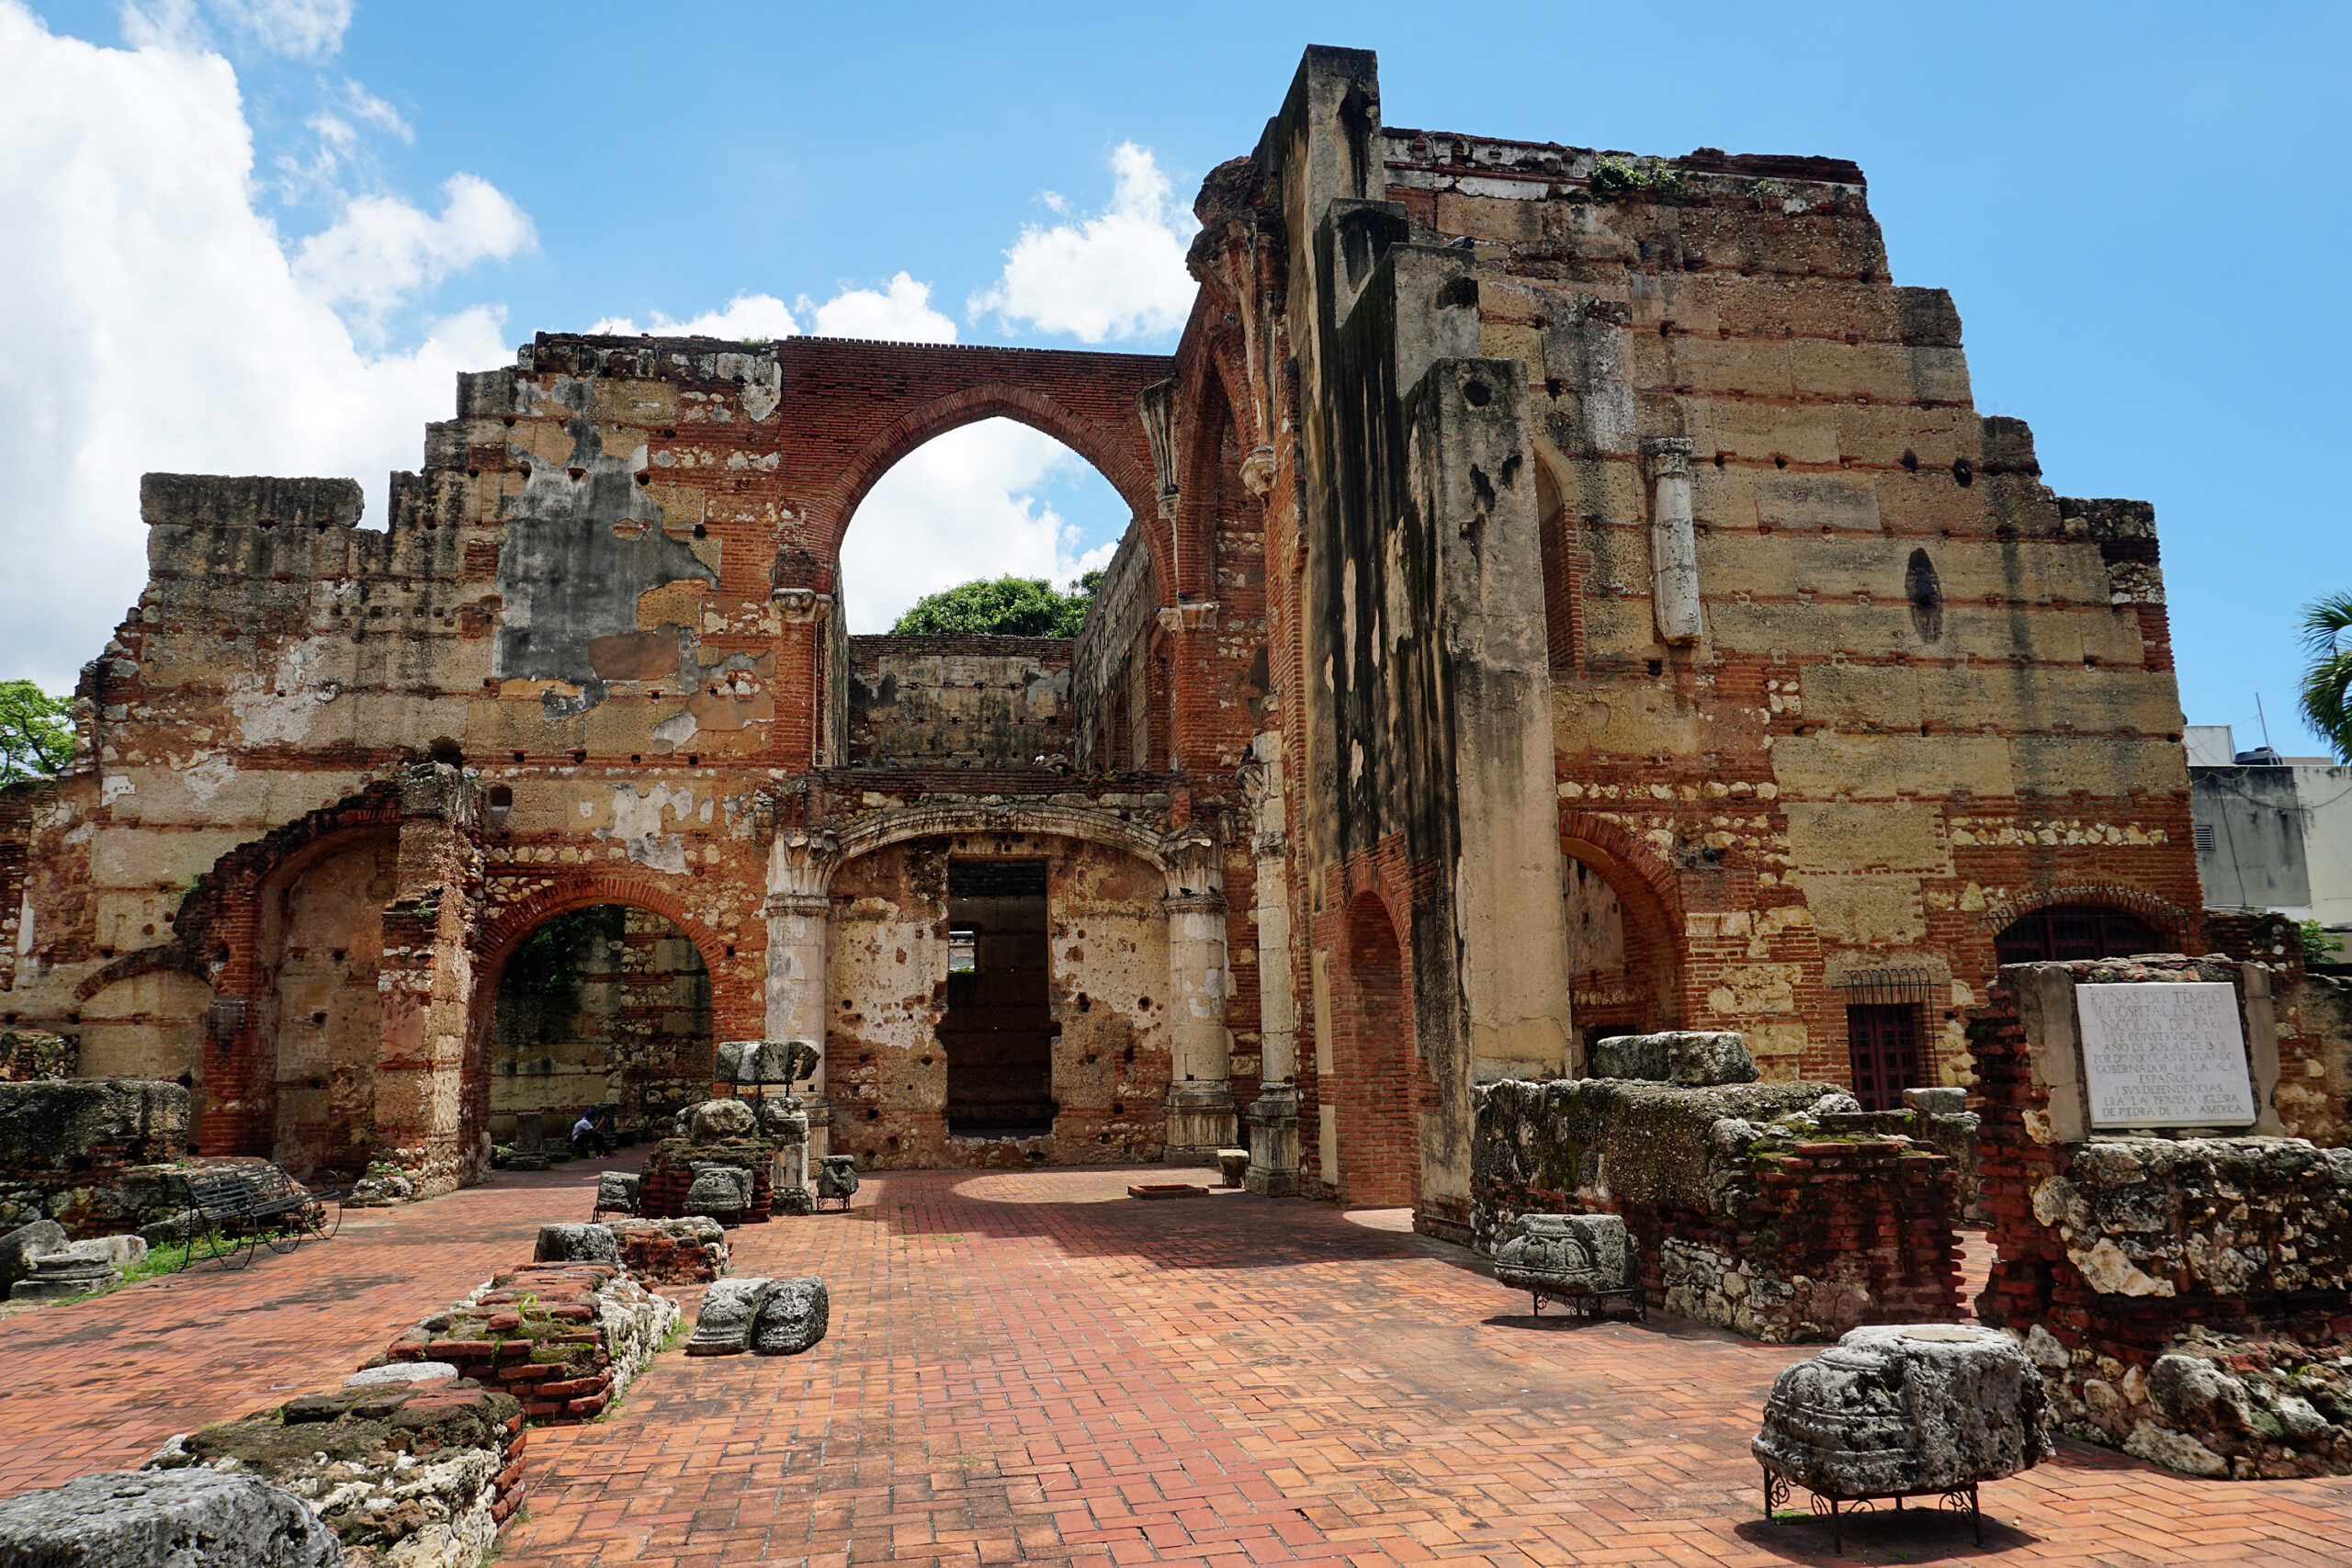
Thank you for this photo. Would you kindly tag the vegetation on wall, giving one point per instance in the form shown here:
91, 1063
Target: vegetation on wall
1008, 606
2326, 695
35, 732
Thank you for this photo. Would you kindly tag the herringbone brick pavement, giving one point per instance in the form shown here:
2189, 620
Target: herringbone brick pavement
1034, 1368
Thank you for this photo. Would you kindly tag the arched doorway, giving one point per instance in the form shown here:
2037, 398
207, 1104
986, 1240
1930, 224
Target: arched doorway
2060, 933
1378, 1064
609, 1005
321, 943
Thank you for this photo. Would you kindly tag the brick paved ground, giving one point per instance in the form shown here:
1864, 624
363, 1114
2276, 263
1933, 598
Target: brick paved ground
1034, 1368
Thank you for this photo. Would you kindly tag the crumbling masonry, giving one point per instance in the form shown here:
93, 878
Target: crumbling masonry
1568, 594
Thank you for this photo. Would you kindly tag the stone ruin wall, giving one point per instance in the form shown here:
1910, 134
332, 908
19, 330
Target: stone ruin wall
960, 702
1842, 771
2186, 1295
1786, 1235
611, 595
1108, 985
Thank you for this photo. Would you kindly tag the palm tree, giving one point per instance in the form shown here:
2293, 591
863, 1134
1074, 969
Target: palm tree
2327, 681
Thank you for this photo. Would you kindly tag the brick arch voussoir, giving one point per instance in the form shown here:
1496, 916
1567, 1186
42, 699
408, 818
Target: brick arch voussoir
737, 994
1112, 446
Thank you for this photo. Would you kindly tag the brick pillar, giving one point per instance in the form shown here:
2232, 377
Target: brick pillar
428, 980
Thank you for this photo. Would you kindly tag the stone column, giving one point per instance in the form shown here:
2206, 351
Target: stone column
1200, 1092
800, 923
1273, 1115
1674, 549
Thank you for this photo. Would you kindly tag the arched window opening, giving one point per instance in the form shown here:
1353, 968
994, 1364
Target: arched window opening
988, 500
1557, 531
1620, 962
2063, 932
608, 1006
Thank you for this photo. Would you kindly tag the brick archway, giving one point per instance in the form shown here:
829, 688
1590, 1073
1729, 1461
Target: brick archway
737, 1000
1380, 1079
852, 410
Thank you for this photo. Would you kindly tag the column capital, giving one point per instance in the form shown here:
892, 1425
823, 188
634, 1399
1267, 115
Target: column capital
798, 904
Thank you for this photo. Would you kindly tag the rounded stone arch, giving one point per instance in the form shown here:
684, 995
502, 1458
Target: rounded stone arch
1649, 904
738, 1005
497, 937
1112, 448
890, 828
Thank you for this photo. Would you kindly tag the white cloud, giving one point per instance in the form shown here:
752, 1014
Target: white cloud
1118, 274
900, 313
382, 252
962, 506
304, 30
745, 316
150, 320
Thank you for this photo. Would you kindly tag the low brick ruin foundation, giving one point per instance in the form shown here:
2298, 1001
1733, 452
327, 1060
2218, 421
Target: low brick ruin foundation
406, 1474
2189, 1296
666, 1189
563, 1339
690, 1251
1775, 1210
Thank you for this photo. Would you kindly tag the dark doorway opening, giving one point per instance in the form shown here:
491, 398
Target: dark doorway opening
1884, 1040
999, 1030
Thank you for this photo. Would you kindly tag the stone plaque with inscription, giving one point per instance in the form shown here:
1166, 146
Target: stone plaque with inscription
2165, 1056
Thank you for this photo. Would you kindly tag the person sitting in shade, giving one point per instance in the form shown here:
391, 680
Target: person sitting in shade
587, 1136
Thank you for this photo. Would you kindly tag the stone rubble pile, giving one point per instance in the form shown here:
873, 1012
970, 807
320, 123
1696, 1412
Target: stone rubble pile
405, 1475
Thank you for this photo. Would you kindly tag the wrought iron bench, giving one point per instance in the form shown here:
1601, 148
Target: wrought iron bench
235, 1208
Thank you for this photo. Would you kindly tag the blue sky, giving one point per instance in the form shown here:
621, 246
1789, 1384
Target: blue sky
2141, 212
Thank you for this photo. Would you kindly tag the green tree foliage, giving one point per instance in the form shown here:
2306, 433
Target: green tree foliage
2327, 680
35, 732
1009, 606
2320, 945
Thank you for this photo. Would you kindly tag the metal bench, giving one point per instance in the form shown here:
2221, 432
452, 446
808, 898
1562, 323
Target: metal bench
237, 1208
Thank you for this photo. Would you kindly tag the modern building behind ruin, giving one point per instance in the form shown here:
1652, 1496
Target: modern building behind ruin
1568, 594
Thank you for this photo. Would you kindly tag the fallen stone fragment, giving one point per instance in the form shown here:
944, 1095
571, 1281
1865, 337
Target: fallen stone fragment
577, 1244
185, 1518
1890, 1410
793, 1316
616, 1192
723, 1327
400, 1372
1695, 1058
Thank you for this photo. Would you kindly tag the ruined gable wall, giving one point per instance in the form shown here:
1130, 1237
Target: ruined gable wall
1834, 777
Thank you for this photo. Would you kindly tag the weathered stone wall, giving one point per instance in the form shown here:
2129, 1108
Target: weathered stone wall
1108, 980
2119, 1253
960, 701
1760, 1207
86, 1152
1503, 501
